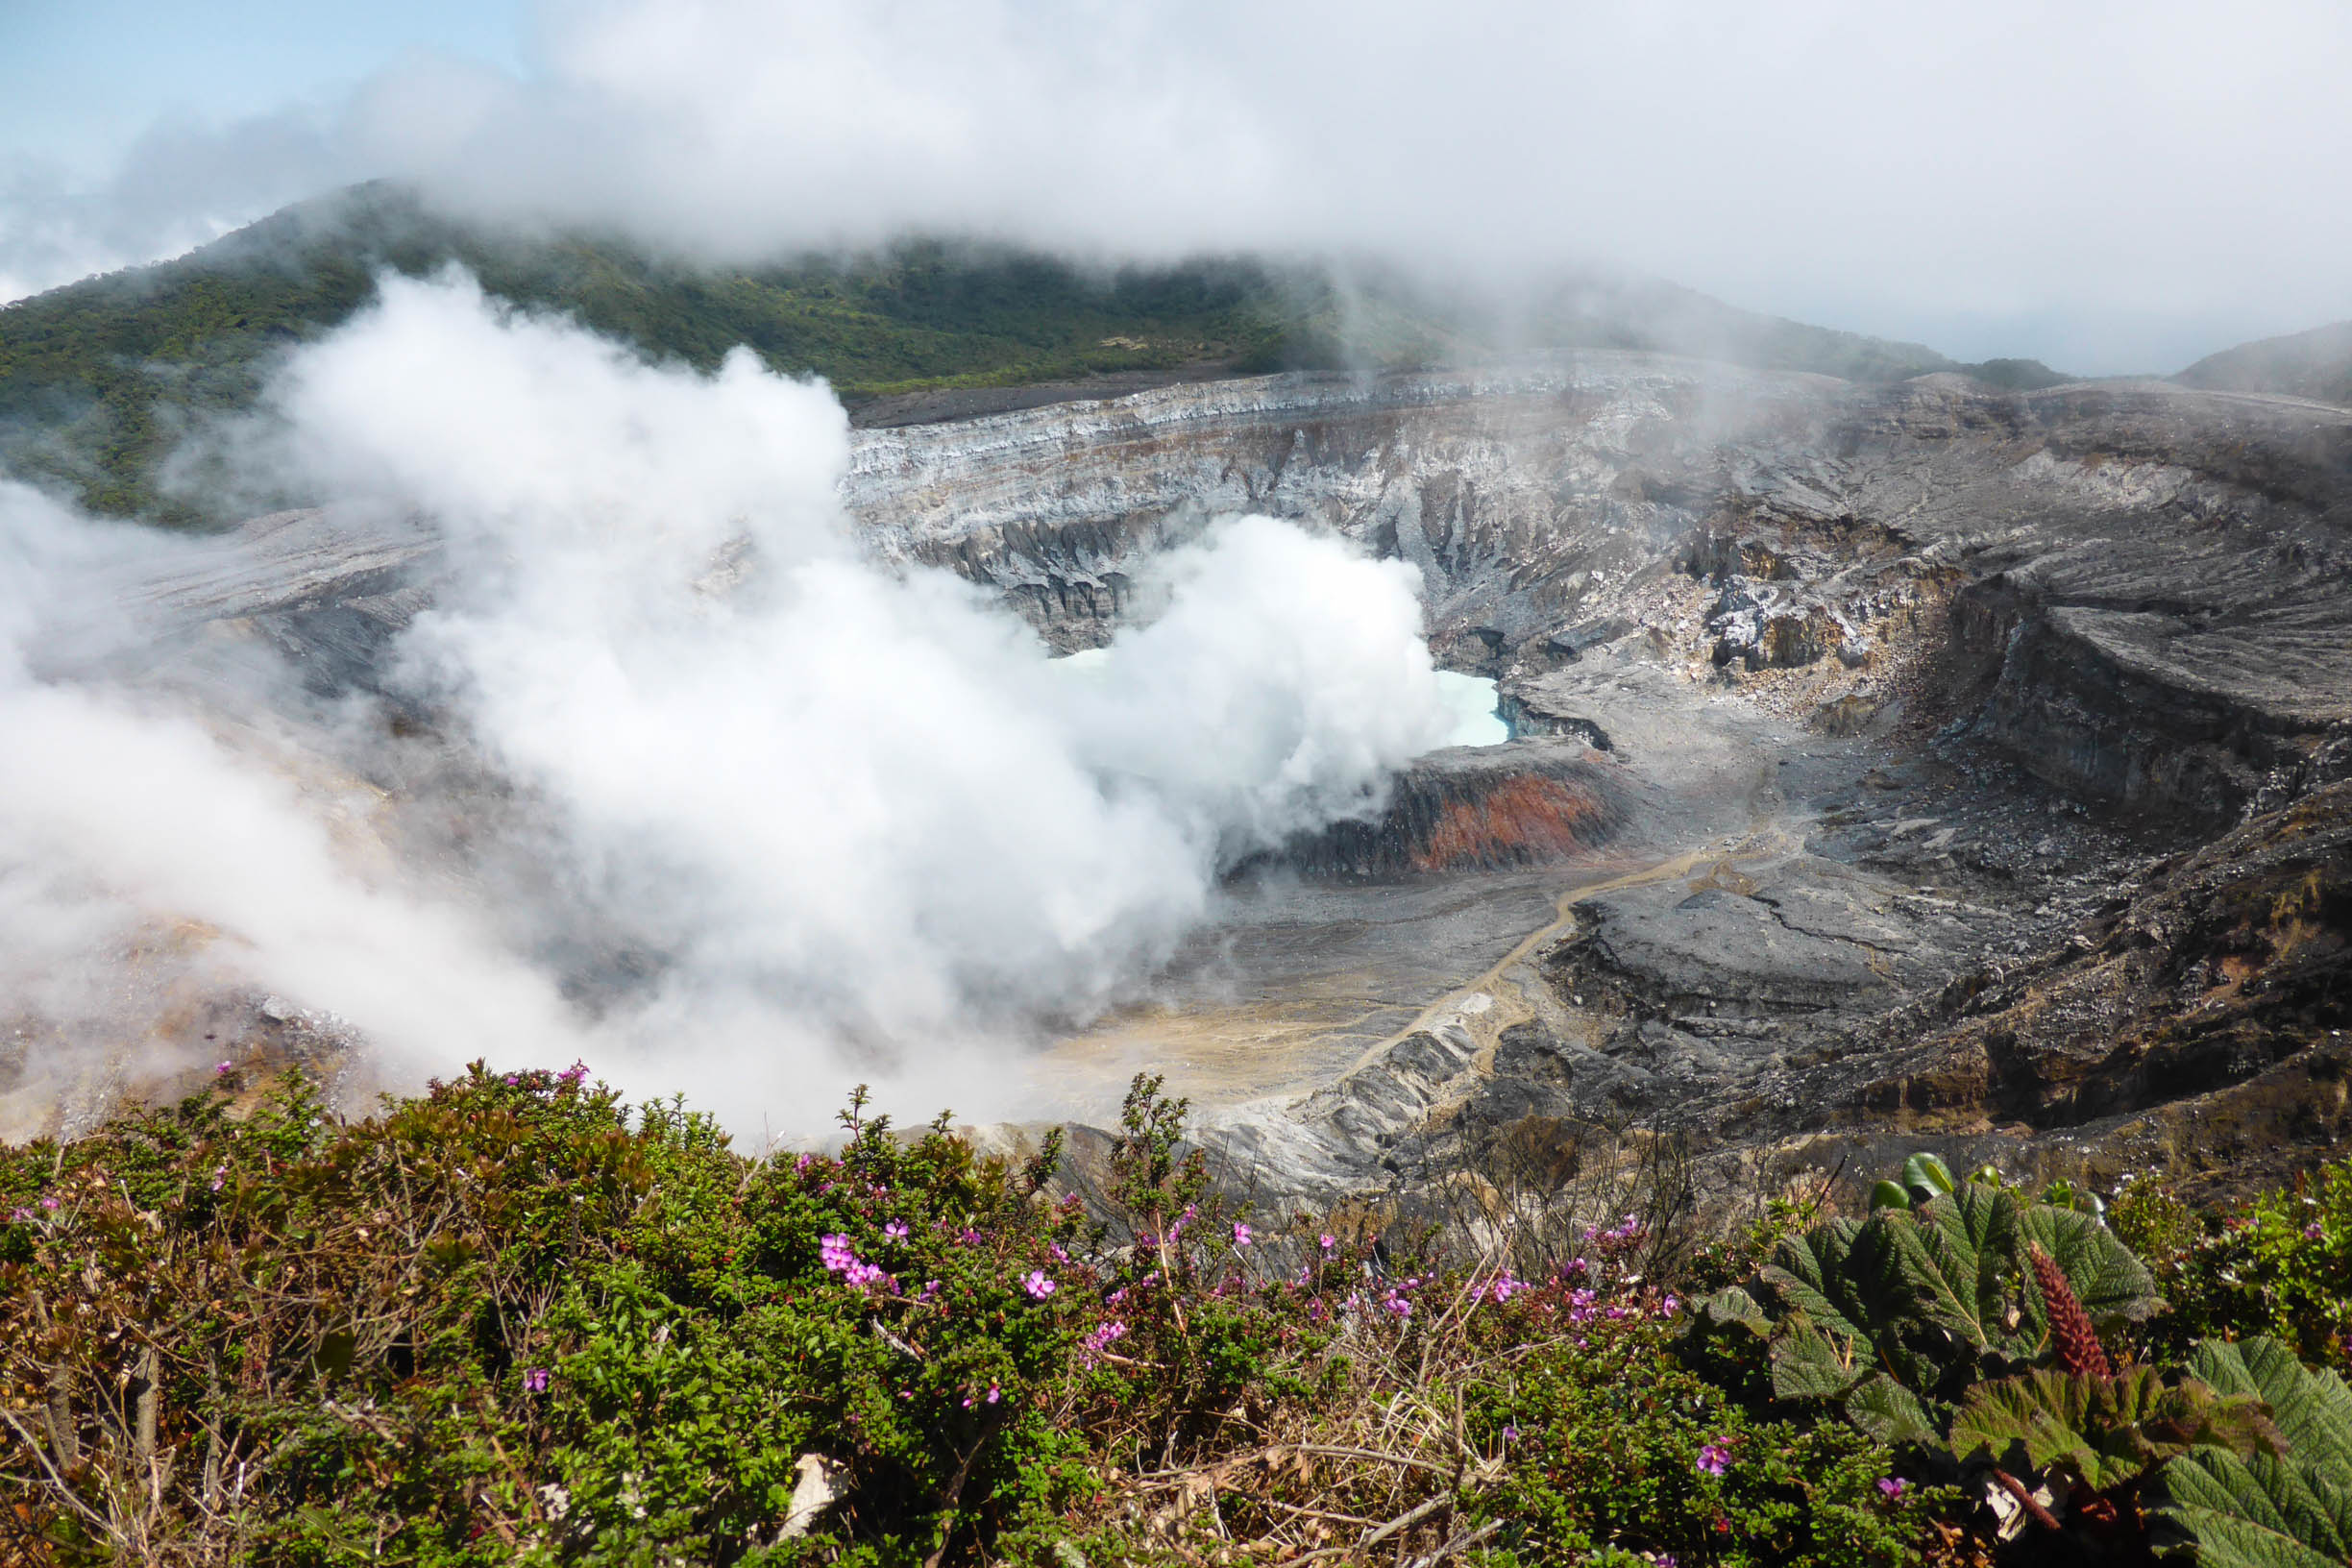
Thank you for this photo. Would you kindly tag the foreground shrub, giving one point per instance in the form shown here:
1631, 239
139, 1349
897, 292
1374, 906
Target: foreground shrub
510, 1319
513, 1320
2283, 1266
1616, 1448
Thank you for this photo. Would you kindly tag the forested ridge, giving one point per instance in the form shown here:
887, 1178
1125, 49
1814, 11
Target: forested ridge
101, 381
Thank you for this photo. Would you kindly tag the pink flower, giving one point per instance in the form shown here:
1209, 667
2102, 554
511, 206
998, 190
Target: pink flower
574, 1073
222, 1067
2312, 1232
1242, 1235
1039, 1283
896, 1230
1892, 1486
1105, 1337
838, 1257
50, 1204
991, 1393
1328, 1243
1714, 1458
534, 1380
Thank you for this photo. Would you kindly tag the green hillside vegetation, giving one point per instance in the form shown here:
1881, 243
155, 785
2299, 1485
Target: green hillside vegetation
514, 1320
2317, 364
101, 380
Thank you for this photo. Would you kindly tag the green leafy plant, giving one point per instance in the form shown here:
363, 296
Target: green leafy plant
2283, 1506
1893, 1319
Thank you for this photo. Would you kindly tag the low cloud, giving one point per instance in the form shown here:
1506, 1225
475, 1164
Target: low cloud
2109, 186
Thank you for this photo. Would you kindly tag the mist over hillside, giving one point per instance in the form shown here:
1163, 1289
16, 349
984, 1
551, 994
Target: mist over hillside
101, 381
2313, 364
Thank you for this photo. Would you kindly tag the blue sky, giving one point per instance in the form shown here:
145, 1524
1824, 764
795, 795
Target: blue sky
81, 79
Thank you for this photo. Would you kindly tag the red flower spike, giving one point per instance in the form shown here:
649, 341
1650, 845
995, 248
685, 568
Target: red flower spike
2079, 1350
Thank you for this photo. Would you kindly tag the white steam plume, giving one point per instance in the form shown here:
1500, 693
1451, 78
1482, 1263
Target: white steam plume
142, 858
855, 824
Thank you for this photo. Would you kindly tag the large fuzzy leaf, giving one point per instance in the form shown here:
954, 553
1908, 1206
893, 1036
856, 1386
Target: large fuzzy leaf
1957, 1255
2311, 1410
2109, 1280
1807, 1363
2100, 1431
2263, 1512
1890, 1413
1812, 1274
1734, 1307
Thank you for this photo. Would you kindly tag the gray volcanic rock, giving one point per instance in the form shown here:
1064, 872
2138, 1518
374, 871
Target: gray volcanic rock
1856, 694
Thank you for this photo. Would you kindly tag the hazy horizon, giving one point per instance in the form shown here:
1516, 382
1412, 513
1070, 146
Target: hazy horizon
2108, 190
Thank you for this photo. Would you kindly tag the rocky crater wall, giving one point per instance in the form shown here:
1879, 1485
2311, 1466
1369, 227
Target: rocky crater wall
2138, 589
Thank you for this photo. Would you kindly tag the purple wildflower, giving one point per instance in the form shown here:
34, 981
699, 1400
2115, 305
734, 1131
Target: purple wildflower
534, 1380
1892, 1486
50, 1204
219, 1067
896, 1230
1039, 1283
1714, 1458
1328, 1243
1242, 1235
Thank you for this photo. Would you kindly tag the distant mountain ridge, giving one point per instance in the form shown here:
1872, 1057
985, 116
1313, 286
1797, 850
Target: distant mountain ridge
2315, 365
100, 379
